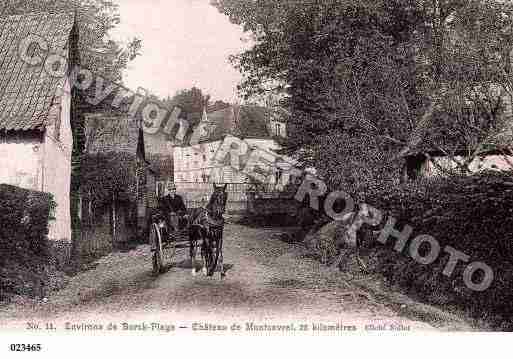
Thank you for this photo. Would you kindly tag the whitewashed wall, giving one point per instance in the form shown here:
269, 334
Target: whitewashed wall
57, 169
195, 163
44, 164
20, 162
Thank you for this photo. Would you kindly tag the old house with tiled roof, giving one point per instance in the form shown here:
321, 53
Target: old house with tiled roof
37, 53
430, 152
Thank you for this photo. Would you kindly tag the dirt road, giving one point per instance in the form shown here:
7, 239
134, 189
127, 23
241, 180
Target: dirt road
268, 281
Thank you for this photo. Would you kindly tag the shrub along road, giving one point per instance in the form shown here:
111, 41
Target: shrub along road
268, 281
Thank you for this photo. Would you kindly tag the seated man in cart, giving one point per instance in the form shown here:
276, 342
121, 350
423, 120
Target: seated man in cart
172, 203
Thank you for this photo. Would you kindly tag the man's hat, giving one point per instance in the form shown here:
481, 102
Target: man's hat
170, 185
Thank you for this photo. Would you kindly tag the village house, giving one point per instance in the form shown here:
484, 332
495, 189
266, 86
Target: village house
118, 186
195, 167
277, 124
37, 109
436, 163
195, 162
423, 160
277, 117
159, 148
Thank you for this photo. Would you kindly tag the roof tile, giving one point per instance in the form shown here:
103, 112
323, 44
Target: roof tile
27, 92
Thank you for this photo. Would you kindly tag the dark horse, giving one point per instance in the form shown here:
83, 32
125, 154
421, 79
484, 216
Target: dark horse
206, 227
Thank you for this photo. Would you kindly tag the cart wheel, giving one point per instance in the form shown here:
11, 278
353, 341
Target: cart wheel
157, 263
156, 242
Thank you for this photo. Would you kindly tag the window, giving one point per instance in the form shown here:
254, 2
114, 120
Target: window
31, 51
277, 129
279, 176
159, 188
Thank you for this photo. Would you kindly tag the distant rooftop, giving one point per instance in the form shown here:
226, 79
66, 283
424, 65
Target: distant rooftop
240, 121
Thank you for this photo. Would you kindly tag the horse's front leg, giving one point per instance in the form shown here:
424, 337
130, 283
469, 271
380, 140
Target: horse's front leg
192, 251
221, 259
204, 255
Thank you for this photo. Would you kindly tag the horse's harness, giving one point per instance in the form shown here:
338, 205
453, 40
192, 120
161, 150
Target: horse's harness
210, 224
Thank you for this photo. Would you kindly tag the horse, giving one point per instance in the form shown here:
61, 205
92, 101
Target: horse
206, 227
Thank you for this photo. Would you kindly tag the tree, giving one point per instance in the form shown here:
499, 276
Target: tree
96, 18
399, 75
190, 101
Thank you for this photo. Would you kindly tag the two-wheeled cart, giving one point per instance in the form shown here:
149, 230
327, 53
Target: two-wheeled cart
167, 238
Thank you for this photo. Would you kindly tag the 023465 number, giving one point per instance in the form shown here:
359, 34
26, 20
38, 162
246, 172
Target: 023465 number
25, 347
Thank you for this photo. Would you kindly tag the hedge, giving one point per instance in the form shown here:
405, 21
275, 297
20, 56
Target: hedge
470, 213
25, 248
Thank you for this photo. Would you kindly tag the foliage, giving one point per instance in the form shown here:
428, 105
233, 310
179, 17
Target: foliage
192, 100
96, 18
360, 167
109, 176
469, 213
24, 217
25, 248
323, 244
410, 72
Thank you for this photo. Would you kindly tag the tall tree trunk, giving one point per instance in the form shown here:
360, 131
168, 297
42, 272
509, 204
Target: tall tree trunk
114, 220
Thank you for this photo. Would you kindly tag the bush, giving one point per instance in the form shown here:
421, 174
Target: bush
470, 213
322, 244
24, 217
354, 164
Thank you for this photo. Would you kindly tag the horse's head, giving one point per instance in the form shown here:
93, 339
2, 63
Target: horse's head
217, 204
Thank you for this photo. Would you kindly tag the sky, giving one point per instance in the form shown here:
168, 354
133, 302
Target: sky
185, 43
